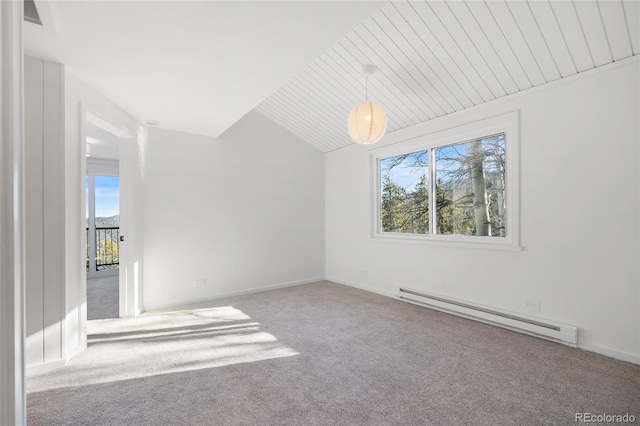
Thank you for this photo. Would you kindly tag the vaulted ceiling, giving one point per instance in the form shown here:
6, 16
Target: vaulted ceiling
192, 66
200, 66
438, 57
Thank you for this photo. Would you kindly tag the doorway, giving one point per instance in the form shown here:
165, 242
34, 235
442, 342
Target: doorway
110, 144
105, 211
103, 238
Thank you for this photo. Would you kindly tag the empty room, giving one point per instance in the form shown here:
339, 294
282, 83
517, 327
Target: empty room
320, 212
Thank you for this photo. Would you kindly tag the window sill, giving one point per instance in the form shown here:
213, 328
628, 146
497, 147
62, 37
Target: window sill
484, 243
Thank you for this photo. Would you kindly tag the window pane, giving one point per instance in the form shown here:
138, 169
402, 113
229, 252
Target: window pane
107, 194
470, 188
107, 220
405, 193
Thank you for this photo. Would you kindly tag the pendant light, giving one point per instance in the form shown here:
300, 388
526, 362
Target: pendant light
367, 121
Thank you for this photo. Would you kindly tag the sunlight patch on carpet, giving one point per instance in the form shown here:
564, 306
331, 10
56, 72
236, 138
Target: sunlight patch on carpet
164, 343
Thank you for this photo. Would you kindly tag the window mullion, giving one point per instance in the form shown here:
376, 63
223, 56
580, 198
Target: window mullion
432, 192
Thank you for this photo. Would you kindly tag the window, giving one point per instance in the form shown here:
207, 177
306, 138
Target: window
458, 186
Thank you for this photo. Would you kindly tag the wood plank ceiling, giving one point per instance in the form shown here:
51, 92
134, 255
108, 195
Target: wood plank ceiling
438, 57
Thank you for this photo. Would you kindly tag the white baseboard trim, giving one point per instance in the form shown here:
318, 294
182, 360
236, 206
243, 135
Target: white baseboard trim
151, 308
360, 286
602, 350
613, 353
34, 370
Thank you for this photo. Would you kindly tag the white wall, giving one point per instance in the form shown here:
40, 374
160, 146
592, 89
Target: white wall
244, 211
580, 217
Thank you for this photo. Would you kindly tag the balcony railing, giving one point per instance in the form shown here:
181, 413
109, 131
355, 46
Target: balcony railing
107, 249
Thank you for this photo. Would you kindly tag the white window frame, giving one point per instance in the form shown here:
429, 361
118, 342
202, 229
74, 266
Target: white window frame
506, 123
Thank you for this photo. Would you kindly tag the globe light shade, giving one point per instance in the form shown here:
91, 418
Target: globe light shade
367, 123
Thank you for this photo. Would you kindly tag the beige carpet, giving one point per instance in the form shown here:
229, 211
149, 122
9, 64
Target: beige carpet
324, 354
102, 298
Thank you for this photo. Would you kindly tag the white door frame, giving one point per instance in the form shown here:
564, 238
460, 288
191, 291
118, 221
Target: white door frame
127, 292
13, 407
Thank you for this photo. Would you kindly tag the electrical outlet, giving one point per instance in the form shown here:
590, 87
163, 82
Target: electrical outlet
533, 306
199, 283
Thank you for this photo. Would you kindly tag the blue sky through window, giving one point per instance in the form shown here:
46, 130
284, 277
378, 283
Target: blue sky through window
107, 196
406, 170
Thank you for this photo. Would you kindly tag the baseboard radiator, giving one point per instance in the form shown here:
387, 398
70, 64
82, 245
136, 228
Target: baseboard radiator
562, 333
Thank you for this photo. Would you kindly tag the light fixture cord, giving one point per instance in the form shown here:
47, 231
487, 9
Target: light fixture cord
366, 88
